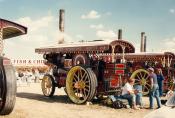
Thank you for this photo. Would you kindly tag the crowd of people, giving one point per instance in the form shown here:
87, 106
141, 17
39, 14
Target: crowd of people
133, 93
28, 76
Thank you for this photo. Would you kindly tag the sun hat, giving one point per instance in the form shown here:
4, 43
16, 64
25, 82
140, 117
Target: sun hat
151, 69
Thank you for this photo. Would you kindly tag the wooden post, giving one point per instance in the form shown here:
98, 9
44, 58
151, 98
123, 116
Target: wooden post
1, 41
164, 62
168, 62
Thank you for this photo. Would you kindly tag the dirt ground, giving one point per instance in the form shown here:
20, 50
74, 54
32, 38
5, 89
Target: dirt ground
30, 103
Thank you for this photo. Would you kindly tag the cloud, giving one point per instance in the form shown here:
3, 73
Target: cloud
106, 34
137, 47
172, 11
79, 36
169, 44
42, 32
100, 26
108, 13
91, 15
44, 24
35, 25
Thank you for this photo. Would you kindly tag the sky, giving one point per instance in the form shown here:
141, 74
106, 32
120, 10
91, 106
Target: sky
89, 20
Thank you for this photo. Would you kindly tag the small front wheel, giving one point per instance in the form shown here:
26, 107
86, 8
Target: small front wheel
48, 85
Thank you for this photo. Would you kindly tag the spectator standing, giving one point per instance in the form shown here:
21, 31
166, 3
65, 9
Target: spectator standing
29, 76
154, 90
37, 75
160, 79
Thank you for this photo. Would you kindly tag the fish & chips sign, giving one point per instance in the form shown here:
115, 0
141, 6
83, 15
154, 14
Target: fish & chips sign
27, 62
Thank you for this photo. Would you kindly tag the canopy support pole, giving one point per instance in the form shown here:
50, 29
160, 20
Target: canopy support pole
1, 41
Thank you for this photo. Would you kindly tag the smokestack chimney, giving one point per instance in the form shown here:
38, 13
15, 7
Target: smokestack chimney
61, 20
145, 43
142, 42
120, 34
61, 25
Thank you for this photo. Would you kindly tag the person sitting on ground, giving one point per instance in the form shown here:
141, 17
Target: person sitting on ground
128, 93
171, 99
139, 94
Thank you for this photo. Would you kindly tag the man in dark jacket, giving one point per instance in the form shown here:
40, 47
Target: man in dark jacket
160, 79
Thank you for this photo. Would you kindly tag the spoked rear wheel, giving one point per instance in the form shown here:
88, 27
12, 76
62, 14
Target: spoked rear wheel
169, 84
81, 84
48, 85
141, 77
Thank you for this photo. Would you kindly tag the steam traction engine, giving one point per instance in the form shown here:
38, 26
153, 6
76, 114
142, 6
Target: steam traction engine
97, 68
8, 29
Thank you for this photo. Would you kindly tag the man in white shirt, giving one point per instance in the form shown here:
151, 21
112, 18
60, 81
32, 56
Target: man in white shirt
128, 93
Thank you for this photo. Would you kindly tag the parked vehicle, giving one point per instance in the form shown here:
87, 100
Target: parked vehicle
97, 68
94, 68
8, 29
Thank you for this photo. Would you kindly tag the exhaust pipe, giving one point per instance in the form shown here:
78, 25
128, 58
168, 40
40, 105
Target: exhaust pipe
61, 25
120, 34
61, 20
145, 38
142, 42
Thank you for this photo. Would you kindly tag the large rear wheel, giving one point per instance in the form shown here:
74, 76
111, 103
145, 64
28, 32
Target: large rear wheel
141, 77
169, 84
81, 84
8, 88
